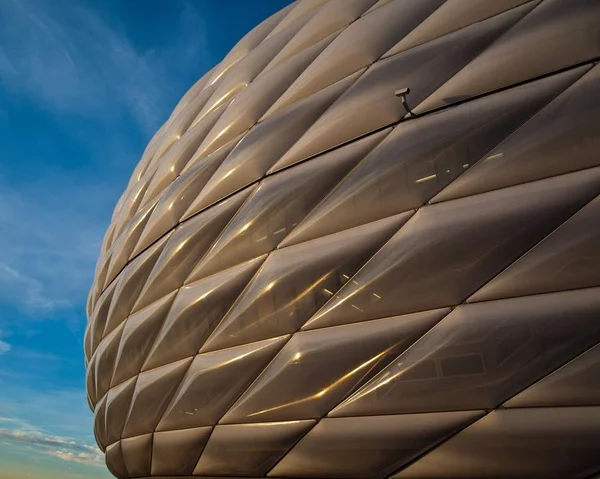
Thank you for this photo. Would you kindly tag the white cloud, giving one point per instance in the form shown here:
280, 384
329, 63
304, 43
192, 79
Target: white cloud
63, 447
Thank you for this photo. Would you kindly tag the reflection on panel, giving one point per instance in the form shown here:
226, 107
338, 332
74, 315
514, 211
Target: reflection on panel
576, 383
317, 369
215, 380
186, 245
138, 334
331, 19
451, 16
371, 103
118, 400
278, 204
567, 259
561, 138
542, 42
420, 157
482, 354
198, 308
367, 447
264, 145
152, 393
250, 105
137, 454
370, 37
465, 241
249, 449
293, 284
534, 443
177, 452
114, 461
170, 208
130, 283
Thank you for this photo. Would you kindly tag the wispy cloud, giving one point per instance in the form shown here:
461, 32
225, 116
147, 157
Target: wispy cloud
68, 57
63, 447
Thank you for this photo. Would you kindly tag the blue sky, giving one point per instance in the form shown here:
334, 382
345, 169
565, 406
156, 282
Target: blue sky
83, 86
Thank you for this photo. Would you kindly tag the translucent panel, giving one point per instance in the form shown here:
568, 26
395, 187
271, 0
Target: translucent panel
317, 369
482, 354
130, 283
255, 100
153, 392
333, 16
379, 4
90, 383
563, 137
420, 157
367, 447
137, 453
138, 335
179, 155
105, 357
371, 103
100, 424
199, 307
295, 281
249, 449
265, 144
248, 43
131, 201
300, 9
118, 401
534, 443
248, 68
451, 16
279, 204
193, 92
178, 197
177, 452
217, 156
521, 54
115, 462
98, 319
186, 246
567, 259
465, 241
87, 342
125, 244
359, 45
178, 125
214, 381
101, 271
575, 384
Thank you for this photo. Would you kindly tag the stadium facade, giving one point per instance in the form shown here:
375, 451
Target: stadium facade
365, 245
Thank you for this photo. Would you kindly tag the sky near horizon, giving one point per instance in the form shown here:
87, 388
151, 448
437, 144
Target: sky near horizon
83, 86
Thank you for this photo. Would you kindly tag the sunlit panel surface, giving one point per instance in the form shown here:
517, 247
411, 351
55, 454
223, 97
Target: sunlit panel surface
313, 274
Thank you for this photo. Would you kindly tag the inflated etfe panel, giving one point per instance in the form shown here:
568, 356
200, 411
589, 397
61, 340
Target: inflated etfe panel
365, 245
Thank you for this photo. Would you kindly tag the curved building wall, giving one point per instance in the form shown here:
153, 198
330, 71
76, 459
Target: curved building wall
308, 277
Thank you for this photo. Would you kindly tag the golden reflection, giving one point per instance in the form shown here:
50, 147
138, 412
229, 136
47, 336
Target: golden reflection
494, 157
229, 173
181, 245
245, 227
326, 389
426, 178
